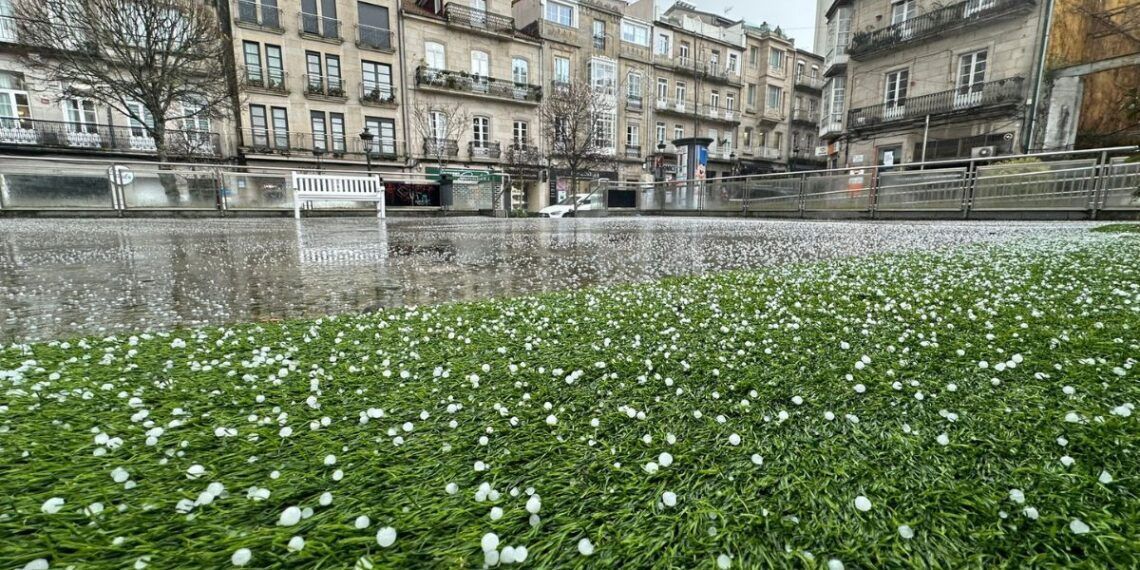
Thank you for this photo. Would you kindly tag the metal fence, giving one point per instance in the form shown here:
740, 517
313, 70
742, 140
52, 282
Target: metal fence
1080, 182
59, 184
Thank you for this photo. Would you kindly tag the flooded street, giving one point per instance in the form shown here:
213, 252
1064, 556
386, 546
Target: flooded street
62, 278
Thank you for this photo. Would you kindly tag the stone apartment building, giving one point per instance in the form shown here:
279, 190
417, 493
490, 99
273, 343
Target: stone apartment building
956, 75
36, 120
312, 75
804, 152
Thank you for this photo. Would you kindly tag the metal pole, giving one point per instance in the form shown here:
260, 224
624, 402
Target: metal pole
925, 137
968, 189
1098, 184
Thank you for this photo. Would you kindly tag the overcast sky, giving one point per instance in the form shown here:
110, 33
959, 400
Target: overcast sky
796, 17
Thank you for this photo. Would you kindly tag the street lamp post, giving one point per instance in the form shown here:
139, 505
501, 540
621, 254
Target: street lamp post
366, 139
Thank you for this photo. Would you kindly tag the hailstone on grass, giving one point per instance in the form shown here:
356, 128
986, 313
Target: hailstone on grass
906, 532
296, 544
862, 503
533, 504
289, 517
52, 506
585, 547
361, 522
669, 498
665, 459
386, 537
241, 557
489, 542
723, 562
1077, 526
734, 439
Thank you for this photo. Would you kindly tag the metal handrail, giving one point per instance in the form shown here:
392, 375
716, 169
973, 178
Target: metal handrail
931, 24
477, 84
469, 17
1007, 91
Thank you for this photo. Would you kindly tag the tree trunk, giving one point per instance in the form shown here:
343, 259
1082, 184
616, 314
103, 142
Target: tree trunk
169, 181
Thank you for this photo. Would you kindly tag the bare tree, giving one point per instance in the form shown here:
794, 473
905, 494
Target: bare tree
439, 125
579, 128
155, 61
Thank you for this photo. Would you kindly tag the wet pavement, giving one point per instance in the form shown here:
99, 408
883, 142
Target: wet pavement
62, 278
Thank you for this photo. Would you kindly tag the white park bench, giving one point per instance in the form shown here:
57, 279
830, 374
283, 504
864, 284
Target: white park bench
308, 187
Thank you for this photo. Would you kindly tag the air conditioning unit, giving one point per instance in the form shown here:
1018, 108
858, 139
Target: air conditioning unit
983, 152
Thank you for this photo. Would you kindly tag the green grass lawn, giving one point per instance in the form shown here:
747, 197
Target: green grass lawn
947, 410
1118, 229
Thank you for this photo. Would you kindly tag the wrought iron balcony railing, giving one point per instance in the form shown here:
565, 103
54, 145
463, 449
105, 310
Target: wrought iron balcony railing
809, 82
933, 23
479, 20
271, 80
319, 26
34, 133
370, 37
633, 102
336, 146
446, 148
1002, 92
484, 150
258, 14
317, 86
464, 82
633, 151
377, 94
805, 116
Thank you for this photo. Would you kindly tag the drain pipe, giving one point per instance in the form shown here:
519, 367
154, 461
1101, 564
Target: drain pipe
1031, 121
409, 162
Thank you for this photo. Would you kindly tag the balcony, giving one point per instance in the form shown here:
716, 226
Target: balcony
772, 115
703, 112
831, 126
317, 27
972, 101
600, 42
458, 15
716, 73
559, 86
835, 60
810, 83
286, 143
484, 150
441, 148
633, 103
90, 137
377, 95
270, 82
253, 15
463, 82
805, 116
768, 153
373, 38
932, 24
324, 88
632, 151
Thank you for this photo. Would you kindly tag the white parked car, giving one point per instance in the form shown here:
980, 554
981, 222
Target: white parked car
566, 209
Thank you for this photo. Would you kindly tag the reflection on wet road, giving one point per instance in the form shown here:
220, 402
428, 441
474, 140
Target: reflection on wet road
61, 278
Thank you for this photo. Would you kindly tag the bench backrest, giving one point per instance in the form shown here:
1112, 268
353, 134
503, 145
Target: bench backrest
318, 183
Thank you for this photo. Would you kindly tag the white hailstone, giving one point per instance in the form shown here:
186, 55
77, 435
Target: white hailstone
797, 400
490, 558
52, 506
650, 467
195, 471
585, 547
330, 460
1069, 390
520, 554
408, 427
669, 498
1061, 441
275, 474
289, 517
594, 422
285, 431
647, 439
844, 345
1105, 477
943, 439
906, 532
1017, 496
919, 396
362, 522
119, 475
241, 557
1122, 411
983, 364
757, 460
451, 488
480, 466
734, 439
386, 537
325, 499
93, 509
862, 503
483, 440
489, 542
783, 415
1030, 512
834, 564
670, 438
1073, 417
859, 365
337, 475
296, 544
507, 556
859, 388
723, 562
534, 520
1067, 461
37, 564
665, 459
952, 387
496, 513
1078, 526
551, 420
533, 504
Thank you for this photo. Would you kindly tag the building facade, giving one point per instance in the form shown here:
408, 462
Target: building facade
915, 79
